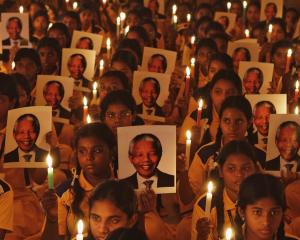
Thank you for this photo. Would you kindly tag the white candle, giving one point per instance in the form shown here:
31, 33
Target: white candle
296, 111
193, 61
21, 9
188, 148
270, 30
101, 67
175, 19
75, 5
95, 85
288, 60
193, 39
188, 17
174, 9
228, 234
67, 1
187, 81
103, 2
247, 33
88, 119
296, 94
85, 108
208, 198
13, 65
118, 26
126, 30
50, 25
122, 18
50, 172
199, 114
79, 235
108, 47
245, 4
228, 6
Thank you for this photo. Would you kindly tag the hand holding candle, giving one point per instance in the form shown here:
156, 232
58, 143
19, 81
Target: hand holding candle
50, 172
188, 148
208, 198
199, 113
79, 235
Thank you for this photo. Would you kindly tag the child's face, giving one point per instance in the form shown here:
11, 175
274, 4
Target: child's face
214, 67
253, 14
109, 84
23, 97
277, 33
203, 56
106, 217
40, 23
236, 168
118, 115
234, 125
94, 157
237, 57
120, 66
279, 59
49, 59
270, 12
262, 219
221, 90
27, 68
86, 17
59, 36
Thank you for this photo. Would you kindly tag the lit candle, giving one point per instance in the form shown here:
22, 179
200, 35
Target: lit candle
79, 235
188, 17
244, 8
247, 33
122, 18
174, 9
270, 30
50, 172
193, 61
229, 234
118, 26
187, 82
288, 60
75, 5
126, 29
188, 148
208, 198
193, 40
200, 107
175, 19
13, 65
67, 1
95, 85
88, 119
228, 6
296, 95
101, 67
85, 108
296, 111
50, 25
21, 9
108, 47
103, 3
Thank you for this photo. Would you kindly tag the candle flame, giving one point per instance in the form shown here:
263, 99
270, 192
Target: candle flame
101, 64
174, 19
126, 29
228, 233
188, 71
174, 9
104, 2
210, 187
200, 104
49, 161
247, 33
80, 227
13, 65
245, 4
50, 25
118, 21
75, 5
296, 111
193, 39
188, 17
85, 101
122, 16
95, 85
270, 28
193, 61
108, 43
228, 5
188, 135
67, 1
290, 52
21, 9
297, 85
88, 119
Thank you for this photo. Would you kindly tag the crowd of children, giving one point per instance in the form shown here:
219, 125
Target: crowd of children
229, 140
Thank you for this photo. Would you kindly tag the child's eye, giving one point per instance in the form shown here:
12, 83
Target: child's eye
98, 150
275, 212
257, 212
115, 220
95, 218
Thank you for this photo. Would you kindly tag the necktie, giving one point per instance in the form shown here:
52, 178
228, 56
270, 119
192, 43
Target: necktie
289, 166
27, 157
265, 140
148, 184
149, 111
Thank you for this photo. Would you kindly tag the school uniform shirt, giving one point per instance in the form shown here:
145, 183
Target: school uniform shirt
199, 212
6, 206
66, 218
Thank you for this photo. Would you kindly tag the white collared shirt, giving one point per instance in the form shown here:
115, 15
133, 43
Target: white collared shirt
21, 155
145, 108
283, 162
141, 181
13, 41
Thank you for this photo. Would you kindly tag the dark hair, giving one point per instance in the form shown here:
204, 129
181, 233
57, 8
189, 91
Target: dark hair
242, 104
206, 6
19, 80
215, 26
280, 44
29, 53
133, 45
160, 57
61, 89
127, 234
99, 131
245, 50
30, 117
119, 193
59, 26
8, 87
206, 43
222, 75
41, 13
267, 104
233, 147
118, 75
51, 43
280, 22
256, 187
126, 57
146, 137
19, 22
117, 97
223, 58
73, 15
287, 124
142, 33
